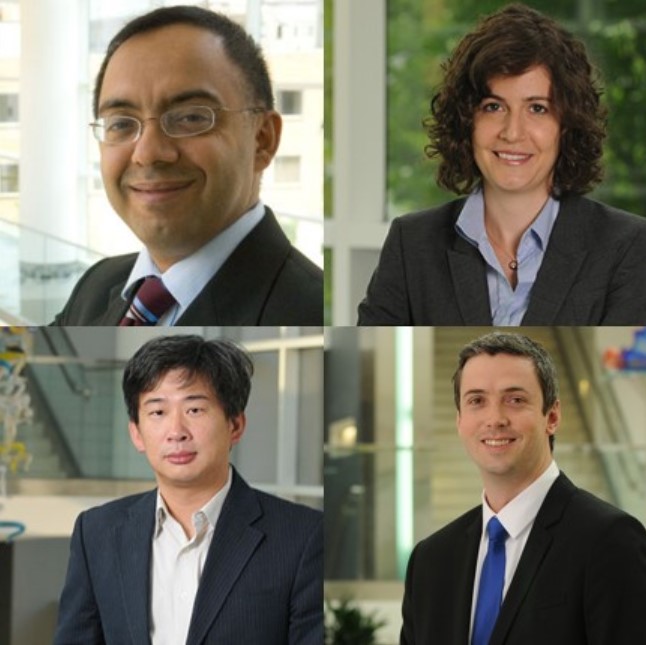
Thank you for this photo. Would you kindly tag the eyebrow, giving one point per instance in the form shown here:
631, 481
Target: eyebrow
156, 400
187, 95
528, 99
508, 390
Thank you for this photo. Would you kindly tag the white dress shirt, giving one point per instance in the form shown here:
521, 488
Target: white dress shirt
518, 518
186, 279
177, 564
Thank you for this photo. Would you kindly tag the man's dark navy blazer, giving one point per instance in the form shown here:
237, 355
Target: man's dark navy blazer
262, 581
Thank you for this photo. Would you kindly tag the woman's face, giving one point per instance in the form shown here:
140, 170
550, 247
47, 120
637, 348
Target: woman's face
516, 134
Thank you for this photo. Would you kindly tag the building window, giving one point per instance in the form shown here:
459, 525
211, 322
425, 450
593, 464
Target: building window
8, 108
287, 170
290, 101
9, 178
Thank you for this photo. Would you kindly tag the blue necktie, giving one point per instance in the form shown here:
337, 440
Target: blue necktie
492, 580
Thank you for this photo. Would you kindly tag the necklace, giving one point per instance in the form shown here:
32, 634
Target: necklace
513, 261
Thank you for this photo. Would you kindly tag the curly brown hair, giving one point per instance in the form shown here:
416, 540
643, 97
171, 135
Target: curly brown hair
510, 42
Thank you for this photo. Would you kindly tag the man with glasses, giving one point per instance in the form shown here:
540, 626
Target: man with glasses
185, 119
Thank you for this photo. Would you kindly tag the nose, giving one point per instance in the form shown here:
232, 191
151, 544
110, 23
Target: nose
154, 146
177, 430
497, 417
513, 126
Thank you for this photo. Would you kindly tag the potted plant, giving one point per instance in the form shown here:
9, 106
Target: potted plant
348, 625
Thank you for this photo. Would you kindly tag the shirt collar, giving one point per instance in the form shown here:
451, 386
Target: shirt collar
471, 226
188, 277
209, 512
521, 511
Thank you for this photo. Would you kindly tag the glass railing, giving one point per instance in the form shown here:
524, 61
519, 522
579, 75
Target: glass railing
38, 272
380, 501
617, 434
79, 427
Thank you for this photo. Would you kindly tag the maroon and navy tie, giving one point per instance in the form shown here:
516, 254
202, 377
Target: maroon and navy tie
151, 301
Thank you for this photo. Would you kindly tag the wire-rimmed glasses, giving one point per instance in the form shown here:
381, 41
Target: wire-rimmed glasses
178, 122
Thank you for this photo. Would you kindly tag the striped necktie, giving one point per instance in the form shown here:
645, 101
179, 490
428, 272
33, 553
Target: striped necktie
151, 301
492, 581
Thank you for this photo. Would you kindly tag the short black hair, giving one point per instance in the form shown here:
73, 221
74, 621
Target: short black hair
513, 345
226, 366
238, 44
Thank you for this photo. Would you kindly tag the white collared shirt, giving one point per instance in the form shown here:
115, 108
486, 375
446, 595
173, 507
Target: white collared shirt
188, 277
518, 518
177, 565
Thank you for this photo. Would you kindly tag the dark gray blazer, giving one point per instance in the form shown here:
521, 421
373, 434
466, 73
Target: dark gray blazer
581, 579
265, 281
593, 272
262, 580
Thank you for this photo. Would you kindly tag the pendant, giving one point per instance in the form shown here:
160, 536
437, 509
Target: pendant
513, 265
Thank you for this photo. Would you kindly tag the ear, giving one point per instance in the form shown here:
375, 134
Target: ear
553, 418
135, 436
237, 426
267, 139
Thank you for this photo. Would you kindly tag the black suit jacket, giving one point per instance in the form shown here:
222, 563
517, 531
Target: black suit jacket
581, 579
265, 281
593, 272
262, 580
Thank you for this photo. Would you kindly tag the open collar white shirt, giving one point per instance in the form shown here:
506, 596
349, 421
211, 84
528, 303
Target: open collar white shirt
518, 519
177, 565
188, 277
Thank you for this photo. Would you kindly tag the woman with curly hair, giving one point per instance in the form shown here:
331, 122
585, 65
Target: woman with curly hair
518, 126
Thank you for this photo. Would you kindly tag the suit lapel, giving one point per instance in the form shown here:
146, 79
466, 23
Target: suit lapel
469, 279
115, 311
564, 257
133, 539
537, 547
234, 543
239, 290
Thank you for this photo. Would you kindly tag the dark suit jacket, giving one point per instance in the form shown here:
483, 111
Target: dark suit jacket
593, 271
262, 582
265, 281
581, 579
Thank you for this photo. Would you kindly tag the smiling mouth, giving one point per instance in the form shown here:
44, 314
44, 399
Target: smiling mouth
161, 187
496, 443
514, 158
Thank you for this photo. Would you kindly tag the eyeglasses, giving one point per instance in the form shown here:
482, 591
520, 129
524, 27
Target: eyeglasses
178, 122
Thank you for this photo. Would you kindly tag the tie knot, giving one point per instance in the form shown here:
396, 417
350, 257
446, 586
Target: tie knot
496, 531
149, 304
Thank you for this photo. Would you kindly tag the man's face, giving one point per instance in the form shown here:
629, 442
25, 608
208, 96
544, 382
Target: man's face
501, 421
185, 433
177, 194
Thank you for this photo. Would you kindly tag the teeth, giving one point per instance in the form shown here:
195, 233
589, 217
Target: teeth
508, 157
497, 442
